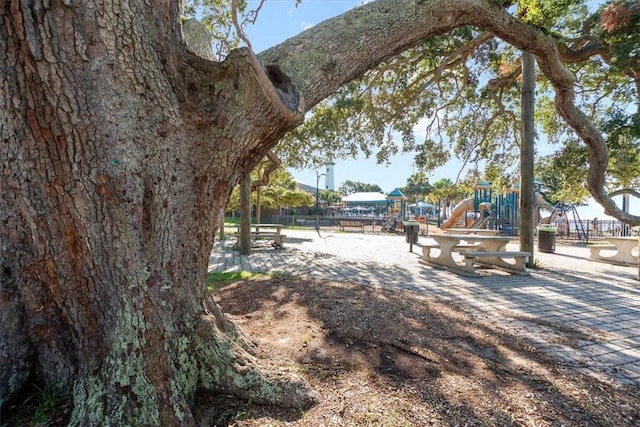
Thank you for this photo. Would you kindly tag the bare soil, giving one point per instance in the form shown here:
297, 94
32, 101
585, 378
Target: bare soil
383, 357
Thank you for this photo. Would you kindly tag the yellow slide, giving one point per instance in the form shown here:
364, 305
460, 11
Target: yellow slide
467, 205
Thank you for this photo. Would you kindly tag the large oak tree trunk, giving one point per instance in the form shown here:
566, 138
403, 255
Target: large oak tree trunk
116, 161
118, 151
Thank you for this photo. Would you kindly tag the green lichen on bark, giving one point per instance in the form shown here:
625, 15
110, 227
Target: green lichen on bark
108, 397
227, 366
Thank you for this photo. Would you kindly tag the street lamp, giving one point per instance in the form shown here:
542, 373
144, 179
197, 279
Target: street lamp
318, 175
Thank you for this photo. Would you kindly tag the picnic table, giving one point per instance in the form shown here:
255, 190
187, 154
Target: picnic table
623, 248
475, 249
480, 231
266, 232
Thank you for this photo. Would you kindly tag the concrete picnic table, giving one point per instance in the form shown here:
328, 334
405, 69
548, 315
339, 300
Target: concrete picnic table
492, 250
481, 231
624, 246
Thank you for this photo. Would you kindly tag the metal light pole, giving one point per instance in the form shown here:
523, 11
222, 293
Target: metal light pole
318, 175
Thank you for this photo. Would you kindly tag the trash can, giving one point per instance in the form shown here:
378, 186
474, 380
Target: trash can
547, 238
411, 230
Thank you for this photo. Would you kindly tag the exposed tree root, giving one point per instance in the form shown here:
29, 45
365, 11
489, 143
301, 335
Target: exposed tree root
157, 386
227, 365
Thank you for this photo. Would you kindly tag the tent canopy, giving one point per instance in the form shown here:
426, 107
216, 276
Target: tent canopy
367, 198
421, 208
423, 205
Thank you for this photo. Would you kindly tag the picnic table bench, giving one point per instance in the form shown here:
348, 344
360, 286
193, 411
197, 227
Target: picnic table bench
623, 248
482, 250
481, 231
273, 233
350, 224
496, 259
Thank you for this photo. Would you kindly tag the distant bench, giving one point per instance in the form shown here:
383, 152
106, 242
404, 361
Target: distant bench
351, 224
278, 239
259, 232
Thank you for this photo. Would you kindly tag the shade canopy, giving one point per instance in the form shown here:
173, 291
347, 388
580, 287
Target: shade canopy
365, 198
396, 195
423, 205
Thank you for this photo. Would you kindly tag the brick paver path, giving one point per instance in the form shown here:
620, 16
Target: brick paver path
569, 296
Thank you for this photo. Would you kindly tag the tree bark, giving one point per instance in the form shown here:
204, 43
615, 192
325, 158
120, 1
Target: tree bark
258, 208
527, 196
119, 150
245, 215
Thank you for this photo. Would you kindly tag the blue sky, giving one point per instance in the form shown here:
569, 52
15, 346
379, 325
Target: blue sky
281, 19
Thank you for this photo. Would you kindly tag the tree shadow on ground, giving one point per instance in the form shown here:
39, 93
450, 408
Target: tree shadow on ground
392, 357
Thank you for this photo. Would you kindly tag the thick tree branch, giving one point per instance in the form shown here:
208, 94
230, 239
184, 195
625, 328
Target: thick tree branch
630, 191
587, 50
270, 78
273, 163
341, 49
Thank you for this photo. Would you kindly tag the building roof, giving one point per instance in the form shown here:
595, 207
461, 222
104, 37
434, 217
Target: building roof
364, 198
396, 195
305, 187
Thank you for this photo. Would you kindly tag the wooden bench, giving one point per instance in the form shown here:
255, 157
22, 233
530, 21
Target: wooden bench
352, 224
278, 239
495, 260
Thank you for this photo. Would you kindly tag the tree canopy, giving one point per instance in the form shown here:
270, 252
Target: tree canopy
417, 187
461, 89
281, 191
350, 187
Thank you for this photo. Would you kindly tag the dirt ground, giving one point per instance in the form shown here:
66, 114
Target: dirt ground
392, 358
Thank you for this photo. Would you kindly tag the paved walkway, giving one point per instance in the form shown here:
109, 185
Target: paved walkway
569, 296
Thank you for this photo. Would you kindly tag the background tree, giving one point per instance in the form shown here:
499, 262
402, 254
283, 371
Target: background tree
417, 187
120, 150
350, 187
445, 192
565, 171
500, 179
282, 191
332, 198
563, 174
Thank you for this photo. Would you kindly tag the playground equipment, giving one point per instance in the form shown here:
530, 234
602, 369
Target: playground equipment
568, 209
458, 211
475, 212
495, 211
541, 203
467, 209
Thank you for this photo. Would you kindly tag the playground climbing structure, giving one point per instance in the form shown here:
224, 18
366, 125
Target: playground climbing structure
489, 209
